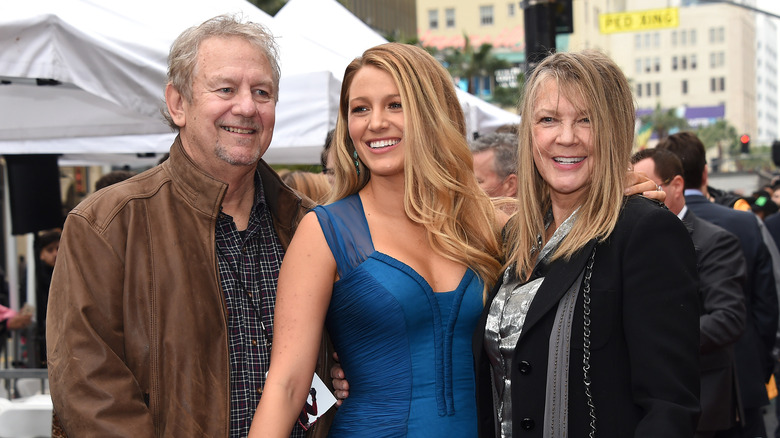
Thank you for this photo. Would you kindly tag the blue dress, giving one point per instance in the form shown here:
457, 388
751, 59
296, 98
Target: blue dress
406, 351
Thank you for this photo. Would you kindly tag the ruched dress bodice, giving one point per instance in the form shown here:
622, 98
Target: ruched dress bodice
405, 349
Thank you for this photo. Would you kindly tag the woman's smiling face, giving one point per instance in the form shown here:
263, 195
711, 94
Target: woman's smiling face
563, 147
376, 121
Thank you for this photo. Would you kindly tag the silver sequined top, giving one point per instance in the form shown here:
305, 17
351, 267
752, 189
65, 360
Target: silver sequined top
505, 323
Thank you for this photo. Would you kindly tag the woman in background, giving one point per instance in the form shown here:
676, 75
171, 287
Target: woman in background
313, 185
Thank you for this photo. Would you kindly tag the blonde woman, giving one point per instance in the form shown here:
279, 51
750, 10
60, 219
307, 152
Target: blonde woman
594, 327
396, 267
313, 185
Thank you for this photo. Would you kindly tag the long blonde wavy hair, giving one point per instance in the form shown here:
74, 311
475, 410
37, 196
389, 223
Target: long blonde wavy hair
591, 79
440, 190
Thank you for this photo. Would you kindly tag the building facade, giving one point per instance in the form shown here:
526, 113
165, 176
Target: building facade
703, 66
443, 23
396, 20
717, 60
766, 78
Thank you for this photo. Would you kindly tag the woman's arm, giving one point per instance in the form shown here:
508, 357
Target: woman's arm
303, 295
661, 324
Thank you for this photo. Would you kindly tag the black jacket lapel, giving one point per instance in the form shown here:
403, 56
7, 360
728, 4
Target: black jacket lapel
559, 278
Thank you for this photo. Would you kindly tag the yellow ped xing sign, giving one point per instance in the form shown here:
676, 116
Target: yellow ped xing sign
639, 20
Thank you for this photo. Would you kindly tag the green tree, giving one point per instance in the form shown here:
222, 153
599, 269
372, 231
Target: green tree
468, 63
664, 121
721, 135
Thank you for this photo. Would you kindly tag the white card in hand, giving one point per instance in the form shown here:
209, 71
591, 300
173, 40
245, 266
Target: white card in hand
319, 400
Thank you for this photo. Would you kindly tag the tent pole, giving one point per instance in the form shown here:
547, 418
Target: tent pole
31, 266
11, 261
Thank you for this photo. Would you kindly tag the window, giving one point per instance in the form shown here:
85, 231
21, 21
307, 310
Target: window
433, 19
693, 37
639, 90
449, 17
674, 63
648, 89
683, 38
717, 84
647, 40
717, 34
684, 62
657, 88
647, 65
486, 15
693, 62
639, 66
684, 86
657, 40
511, 10
657, 64
637, 41
717, 59
674, 37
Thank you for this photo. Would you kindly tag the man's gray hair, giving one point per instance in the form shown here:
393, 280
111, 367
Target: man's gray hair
183, 57
504, 147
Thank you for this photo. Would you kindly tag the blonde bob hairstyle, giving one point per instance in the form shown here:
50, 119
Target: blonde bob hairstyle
440, 190
593, 81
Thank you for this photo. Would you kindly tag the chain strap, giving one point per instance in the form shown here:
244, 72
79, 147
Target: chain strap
586, 343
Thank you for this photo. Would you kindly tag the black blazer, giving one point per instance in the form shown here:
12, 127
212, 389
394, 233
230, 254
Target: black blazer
753, 350
644, 336
722, 276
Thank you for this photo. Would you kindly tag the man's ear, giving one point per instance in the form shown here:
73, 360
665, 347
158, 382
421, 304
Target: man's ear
705, 179
510, 185
678, 183
175, 102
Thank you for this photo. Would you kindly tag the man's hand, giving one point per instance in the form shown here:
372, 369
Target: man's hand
340, 384
19, 321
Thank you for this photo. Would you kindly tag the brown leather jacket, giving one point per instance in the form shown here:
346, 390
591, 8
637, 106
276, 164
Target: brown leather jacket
137, 331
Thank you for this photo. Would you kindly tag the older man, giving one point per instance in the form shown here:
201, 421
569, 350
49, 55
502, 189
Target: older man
161, 308
495, 163
754, 349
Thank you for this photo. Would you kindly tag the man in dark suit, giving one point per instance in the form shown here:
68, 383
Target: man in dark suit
721, 267
754, 348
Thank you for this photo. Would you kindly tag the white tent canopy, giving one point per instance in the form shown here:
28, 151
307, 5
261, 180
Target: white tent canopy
314, 20
102, 67
110, 62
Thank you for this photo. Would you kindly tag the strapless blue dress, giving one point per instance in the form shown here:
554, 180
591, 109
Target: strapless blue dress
406, 351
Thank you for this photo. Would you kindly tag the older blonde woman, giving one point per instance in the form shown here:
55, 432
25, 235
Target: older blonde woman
593, 329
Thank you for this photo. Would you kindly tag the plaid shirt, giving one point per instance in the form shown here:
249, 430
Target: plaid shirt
248, 269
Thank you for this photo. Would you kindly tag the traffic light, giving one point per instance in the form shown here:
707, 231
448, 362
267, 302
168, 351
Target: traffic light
744, 140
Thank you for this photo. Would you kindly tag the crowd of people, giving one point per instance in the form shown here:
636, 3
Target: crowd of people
524, 283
